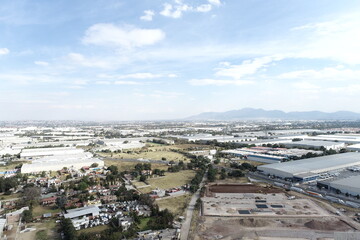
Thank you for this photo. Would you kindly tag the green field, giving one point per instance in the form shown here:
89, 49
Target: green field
176, 205
154, 152
40, 210
94, 229
128, 166
170, 180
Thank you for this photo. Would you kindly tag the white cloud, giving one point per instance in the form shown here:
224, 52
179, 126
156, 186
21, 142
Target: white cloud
204, 8
332, 74
4, 51
159, 94
136, 76
41, 63
216, 82
215, 2
89, 62
107, 34
148, 15
127, 83
103, 82
177, 9
72, 106
306, 87
247, 67
336, 40
352, 89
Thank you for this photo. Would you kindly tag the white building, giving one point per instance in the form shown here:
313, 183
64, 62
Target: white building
46, 152
348, 185
316, 144
310, 169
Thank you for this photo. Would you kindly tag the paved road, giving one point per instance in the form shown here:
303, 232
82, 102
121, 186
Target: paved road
185, 227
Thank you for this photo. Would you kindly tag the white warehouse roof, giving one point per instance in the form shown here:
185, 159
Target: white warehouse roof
78, 212
312, 165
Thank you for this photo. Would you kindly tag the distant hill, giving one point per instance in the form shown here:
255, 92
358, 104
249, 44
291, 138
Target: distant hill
251, 113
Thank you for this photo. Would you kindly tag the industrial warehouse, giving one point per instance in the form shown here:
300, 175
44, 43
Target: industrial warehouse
348, 185
310, 169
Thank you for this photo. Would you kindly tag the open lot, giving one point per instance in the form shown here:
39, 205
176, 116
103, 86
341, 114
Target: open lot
155, 152
246, 211
240, 188
176, 205
127, 166
40, 210
257, 204
49, 226
269, 228
170, 180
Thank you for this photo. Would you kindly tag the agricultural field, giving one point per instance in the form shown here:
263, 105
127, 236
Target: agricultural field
176, 205
170, 180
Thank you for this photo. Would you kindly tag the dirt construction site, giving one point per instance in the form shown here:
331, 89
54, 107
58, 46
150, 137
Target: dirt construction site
264, 213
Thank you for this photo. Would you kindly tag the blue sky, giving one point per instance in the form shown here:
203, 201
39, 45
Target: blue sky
168, 59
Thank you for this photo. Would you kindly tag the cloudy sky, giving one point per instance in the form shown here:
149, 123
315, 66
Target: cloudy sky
168, 59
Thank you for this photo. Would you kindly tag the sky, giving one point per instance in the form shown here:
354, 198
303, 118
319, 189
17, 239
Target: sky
170, 59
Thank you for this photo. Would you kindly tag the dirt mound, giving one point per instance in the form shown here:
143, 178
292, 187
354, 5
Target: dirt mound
253, 222
327, 225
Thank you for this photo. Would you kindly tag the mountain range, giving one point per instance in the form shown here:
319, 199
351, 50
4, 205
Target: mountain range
251, 113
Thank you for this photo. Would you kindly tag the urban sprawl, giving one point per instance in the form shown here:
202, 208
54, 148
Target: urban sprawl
180, 180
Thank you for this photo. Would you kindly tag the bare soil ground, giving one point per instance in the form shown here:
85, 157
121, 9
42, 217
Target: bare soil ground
250, 228
240, 188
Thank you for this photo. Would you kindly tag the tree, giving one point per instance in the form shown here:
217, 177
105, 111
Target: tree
68, 229
142, 178
113, 169
27, 215
61, 202
94, 165
32, 195
82, 186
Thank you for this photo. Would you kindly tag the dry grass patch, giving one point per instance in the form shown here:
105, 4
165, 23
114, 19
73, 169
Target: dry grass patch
176, 205
40, 210
170, 180
129, 166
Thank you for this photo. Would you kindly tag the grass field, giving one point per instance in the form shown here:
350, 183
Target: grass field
123, 166
13, 195
155, 152
143, 224
40, 210
176, 205
93, 229
151, 155
49, 226
170, 180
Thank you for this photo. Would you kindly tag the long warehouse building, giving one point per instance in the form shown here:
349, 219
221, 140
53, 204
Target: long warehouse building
309, 169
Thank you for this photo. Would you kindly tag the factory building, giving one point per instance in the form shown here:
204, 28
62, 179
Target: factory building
348, 185
253, 156
310, 169
354, 147
346, 138
45, 152
316, 145
54, 159
56, 163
